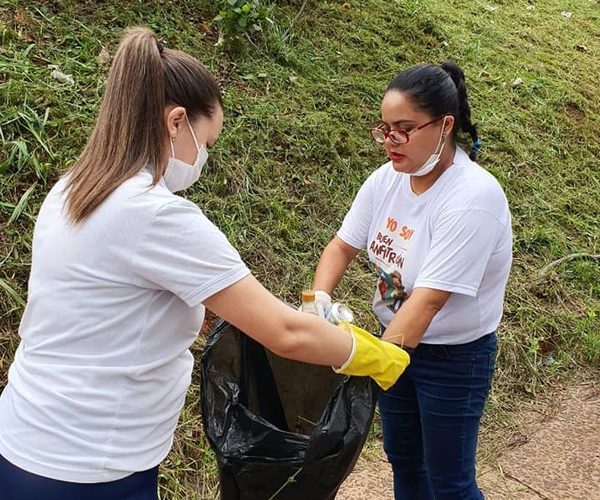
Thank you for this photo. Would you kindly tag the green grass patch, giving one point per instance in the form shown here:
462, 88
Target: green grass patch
299, 101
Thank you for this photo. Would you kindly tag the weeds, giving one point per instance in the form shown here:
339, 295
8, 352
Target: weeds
242, 17
295, 149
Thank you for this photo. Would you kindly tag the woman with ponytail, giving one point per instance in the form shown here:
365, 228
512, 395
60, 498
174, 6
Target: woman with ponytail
122, 270
437, 229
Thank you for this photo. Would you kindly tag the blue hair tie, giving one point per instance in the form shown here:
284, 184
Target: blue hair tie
475, 149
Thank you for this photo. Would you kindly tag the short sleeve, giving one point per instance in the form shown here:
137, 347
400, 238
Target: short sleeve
183, 252
355, 228
461, 246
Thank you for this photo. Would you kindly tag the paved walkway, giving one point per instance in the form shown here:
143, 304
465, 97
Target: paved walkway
557, 458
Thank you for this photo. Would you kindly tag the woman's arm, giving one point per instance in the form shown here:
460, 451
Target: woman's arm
288, 333
333, 264
414, 316
304, 337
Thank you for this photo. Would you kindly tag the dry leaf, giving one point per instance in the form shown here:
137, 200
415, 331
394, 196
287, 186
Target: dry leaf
566, 13
104, 57
517, 81
205, 28
20, 18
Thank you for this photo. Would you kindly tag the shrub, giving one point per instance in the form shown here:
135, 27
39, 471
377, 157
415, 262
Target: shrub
239, 18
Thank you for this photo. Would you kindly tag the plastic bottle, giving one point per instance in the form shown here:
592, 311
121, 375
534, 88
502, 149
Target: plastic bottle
309, 305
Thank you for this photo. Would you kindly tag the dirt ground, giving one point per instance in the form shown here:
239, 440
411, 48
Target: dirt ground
553, 454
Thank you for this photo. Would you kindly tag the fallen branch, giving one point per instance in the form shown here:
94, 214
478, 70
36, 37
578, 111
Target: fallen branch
287, 32
566, 258
531, 488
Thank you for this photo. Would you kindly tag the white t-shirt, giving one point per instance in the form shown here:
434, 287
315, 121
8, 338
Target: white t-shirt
101, 373
456, 237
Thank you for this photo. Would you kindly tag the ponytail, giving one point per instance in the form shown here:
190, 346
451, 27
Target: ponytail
440, 90
129, 132
464, 110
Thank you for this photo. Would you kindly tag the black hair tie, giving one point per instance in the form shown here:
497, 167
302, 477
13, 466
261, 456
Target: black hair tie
160, 45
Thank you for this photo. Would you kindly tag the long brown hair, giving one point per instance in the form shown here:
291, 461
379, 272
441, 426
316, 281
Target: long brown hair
129, 132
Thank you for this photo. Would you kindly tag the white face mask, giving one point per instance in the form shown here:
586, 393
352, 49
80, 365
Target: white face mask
180, 175
433, 160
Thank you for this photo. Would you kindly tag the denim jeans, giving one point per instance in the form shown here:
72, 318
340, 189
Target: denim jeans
431, 418
18, 484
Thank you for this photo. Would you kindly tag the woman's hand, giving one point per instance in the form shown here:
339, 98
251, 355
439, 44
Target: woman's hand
323, 300
383, 361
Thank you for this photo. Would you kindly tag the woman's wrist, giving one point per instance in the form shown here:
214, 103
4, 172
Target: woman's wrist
409, 350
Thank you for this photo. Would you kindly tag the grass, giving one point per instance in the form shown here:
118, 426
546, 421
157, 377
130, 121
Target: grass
295, 150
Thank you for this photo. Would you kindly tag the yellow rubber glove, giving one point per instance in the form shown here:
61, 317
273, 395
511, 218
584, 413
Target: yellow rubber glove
383, 361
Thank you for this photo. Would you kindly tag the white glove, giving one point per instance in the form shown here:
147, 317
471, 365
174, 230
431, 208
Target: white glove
323, 300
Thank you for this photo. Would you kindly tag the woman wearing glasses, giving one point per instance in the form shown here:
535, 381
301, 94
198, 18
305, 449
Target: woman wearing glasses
437, 229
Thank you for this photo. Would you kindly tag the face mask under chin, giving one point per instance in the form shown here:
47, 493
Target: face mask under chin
434, 158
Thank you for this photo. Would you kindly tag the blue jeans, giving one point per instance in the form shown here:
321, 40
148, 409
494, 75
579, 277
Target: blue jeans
431, 417
18, 484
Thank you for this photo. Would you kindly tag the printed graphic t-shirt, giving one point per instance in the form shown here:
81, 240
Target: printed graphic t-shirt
114, 304
456, 237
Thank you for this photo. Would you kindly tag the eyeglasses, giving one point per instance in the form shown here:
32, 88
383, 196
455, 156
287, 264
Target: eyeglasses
398, 135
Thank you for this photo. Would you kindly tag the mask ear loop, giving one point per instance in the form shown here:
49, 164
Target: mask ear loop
442, 140
192, 131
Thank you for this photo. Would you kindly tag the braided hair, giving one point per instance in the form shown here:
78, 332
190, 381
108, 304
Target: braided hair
440, 90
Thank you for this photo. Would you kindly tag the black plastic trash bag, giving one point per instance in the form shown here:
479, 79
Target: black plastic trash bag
280, 429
